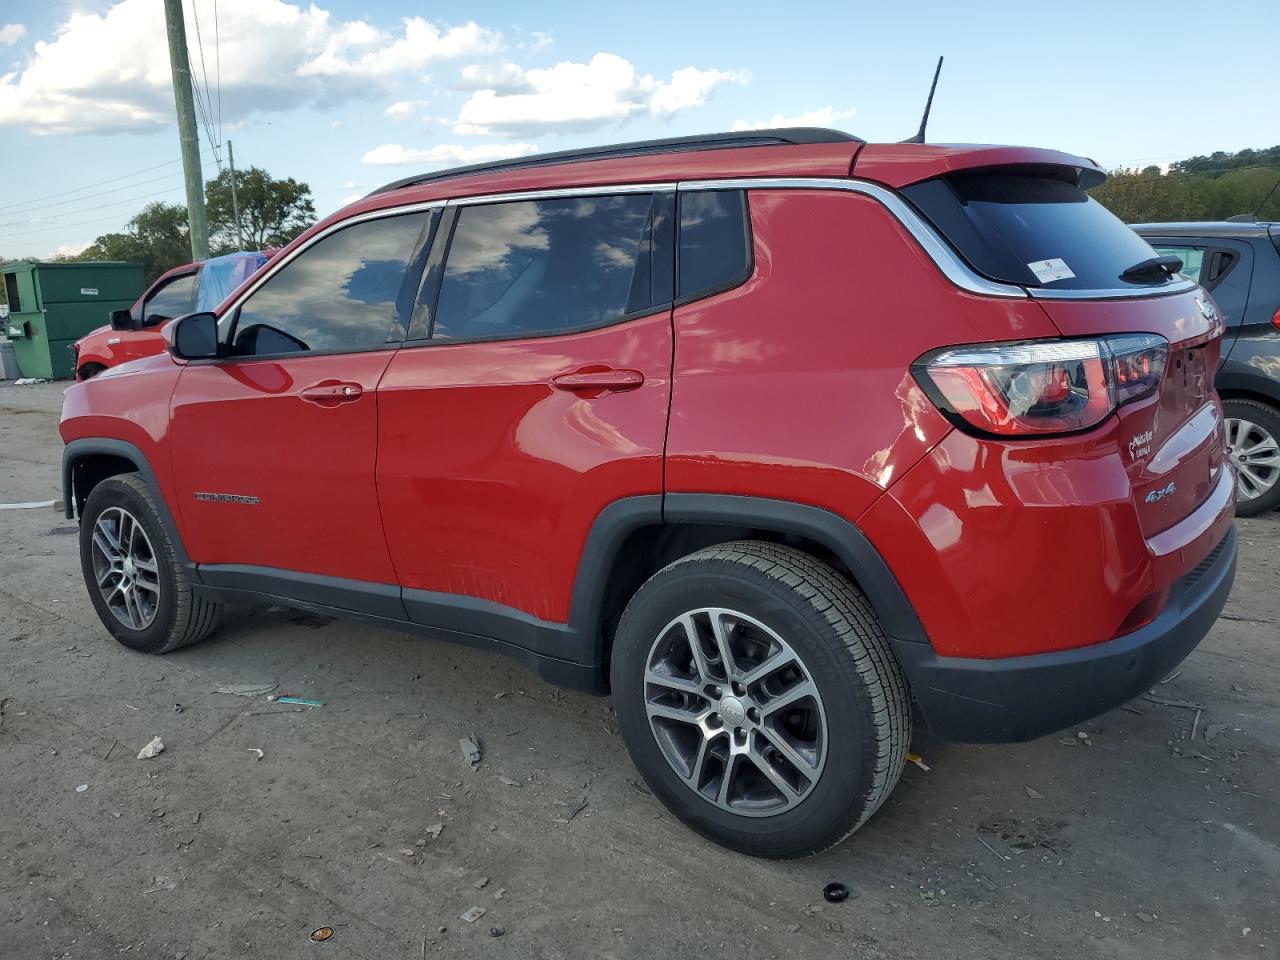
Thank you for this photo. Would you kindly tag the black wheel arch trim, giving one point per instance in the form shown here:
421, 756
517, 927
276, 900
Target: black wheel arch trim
78, 450
840, 536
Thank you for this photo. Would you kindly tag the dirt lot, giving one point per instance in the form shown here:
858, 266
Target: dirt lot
1137, 841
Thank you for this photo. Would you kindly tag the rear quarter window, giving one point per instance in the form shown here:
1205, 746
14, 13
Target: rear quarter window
715, 242
1008, 225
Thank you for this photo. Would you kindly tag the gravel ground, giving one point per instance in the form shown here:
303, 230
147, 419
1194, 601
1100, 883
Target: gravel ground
1127, 838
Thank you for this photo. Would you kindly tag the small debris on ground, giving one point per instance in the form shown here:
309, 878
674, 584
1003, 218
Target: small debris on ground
1033, 793
639, 787
497, 931
177, 708
481, 883
247, 689
835, 892
153, 748
1146, 917
300, 701
508, 781
470, 751
321, 934
82, 788
258, 751
793, 928
472, 914
434, 830
500, 893
1101, 917
576, 806
408, 852
918, 761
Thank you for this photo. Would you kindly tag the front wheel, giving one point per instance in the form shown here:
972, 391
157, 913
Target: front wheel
139, 589
1253, 444
758, 696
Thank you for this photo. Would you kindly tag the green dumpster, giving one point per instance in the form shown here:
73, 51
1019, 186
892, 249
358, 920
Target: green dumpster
52, 305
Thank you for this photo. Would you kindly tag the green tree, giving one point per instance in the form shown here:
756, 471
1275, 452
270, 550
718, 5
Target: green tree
157, 238
1211, 187
272, 212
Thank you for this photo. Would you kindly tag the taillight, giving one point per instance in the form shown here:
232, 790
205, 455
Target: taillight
1042, 387
1275, 319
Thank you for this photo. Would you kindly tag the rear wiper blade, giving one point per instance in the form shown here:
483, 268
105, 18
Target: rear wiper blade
1153, 270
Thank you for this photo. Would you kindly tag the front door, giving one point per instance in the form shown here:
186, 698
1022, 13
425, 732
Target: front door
532, 394
274, 446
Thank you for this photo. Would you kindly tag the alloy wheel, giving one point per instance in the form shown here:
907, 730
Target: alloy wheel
1256, 455
735, 712
125, 568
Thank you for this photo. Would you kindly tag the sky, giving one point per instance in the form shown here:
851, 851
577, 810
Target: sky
349, 94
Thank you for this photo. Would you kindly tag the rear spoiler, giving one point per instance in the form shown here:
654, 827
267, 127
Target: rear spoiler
902, 164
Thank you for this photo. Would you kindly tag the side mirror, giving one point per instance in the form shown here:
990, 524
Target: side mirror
193, 337
122, 320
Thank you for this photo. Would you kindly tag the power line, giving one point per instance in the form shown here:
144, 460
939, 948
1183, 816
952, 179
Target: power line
203, 106
68, 227
76, 213
37, 202
92, 196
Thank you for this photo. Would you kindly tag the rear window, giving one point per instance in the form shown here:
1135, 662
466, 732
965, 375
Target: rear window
1031, 229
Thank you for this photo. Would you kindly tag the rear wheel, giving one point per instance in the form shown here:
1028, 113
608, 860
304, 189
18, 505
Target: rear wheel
1253, 444
139, 589
757, 694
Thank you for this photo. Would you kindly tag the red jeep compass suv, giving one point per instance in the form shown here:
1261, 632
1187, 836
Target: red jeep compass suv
769, 435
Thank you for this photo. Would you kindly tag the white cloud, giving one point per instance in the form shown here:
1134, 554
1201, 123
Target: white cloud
822, 117
70, 249
109, 71
538, 41
350, 185
502, 78
585, 96
351, 198
11, 33
444, 155
403, 109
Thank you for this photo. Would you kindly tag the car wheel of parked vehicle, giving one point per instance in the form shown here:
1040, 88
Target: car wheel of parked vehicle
1253, 444
757, 694
90, 370
140, 591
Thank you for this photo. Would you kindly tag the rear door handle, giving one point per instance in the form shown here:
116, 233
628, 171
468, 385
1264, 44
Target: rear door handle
598, 380
331, 394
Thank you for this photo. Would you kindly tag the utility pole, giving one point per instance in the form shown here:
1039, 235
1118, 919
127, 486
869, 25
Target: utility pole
235, 199
185, 103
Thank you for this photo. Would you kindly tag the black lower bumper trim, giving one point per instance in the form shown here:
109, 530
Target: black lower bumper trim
1020, 698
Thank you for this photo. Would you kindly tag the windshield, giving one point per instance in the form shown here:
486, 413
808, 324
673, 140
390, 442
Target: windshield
1031, 228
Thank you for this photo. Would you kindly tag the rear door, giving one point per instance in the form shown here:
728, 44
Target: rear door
533, 392
274, 446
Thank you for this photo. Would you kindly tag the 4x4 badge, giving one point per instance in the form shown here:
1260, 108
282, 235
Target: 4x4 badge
1155, 496
227, 498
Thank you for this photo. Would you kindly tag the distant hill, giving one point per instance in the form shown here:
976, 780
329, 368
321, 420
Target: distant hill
1215, 187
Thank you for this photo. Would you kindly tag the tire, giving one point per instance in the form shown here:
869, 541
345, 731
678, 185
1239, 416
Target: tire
783, 607
156, 611
1250, 425
89, 371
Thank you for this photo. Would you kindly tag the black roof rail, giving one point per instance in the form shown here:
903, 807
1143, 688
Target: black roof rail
709, 141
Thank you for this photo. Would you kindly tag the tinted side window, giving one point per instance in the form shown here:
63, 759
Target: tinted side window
174, 299
715, 244
339, 294
549, 266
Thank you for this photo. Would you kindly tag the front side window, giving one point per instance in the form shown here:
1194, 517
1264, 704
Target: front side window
539, 267
339, 294
175, 299
715, 251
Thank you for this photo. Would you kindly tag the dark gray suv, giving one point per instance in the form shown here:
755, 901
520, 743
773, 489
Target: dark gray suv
1239, 263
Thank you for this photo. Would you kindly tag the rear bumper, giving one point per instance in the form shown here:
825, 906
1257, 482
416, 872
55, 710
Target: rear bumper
1019, 698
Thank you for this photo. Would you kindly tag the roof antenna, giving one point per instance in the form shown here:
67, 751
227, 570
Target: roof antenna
924, 121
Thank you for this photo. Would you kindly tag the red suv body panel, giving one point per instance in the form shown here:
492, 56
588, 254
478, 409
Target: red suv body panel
1025, 582
107, 347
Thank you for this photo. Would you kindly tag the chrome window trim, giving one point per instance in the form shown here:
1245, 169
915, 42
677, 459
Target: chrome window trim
273, 267
1045, 293
939, 251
